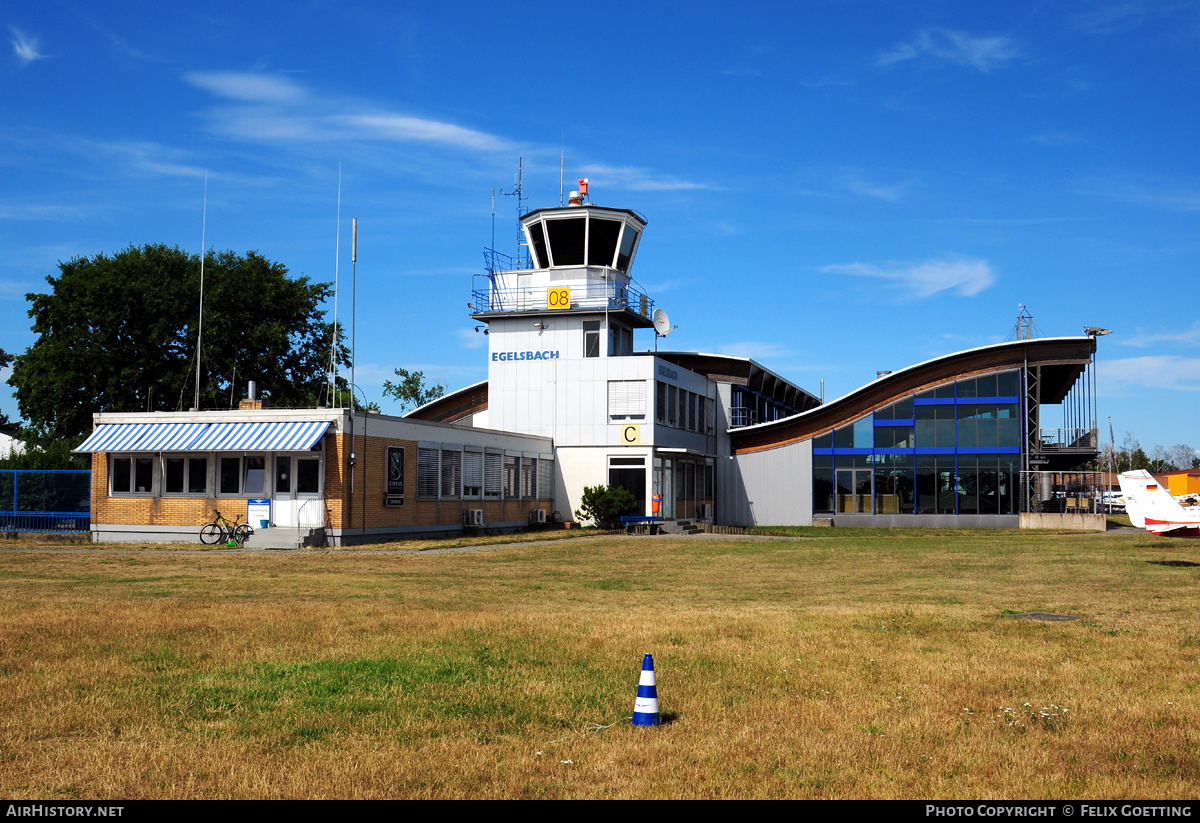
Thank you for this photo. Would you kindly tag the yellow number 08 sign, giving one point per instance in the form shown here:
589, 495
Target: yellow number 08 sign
558, 298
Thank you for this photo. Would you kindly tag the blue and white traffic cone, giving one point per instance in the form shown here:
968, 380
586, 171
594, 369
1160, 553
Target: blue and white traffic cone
645, 708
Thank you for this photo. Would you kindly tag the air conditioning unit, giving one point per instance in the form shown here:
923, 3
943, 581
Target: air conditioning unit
537, 516
473, 517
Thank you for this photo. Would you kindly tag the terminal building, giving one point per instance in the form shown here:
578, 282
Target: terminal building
570, 402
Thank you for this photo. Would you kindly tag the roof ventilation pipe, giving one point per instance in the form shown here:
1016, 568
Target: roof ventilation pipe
252, 390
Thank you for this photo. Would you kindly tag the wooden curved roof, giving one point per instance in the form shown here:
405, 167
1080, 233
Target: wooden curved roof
452, 407
1062, 361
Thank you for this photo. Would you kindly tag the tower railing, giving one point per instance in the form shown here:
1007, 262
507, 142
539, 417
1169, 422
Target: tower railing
486, 297
1069, 440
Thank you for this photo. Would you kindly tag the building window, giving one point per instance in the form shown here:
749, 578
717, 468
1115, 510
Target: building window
591, 338
620, 340
231, 475
185, 475
566, 239
511, 471
451, 474
545, 479
472, 474
427, 474
602, 241
537, 239
628, 240
529, 478
132, 475
493, 474
308, 475
256, 476
626, 399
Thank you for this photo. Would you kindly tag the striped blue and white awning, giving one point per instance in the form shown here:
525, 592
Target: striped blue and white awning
205, 437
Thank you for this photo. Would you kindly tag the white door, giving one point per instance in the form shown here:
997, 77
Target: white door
283, 504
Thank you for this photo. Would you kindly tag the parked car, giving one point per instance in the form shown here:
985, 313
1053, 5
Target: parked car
1113, 501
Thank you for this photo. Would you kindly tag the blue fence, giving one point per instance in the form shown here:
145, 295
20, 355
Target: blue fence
45, 501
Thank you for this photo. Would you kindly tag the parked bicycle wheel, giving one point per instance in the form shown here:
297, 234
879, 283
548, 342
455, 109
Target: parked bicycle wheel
243, 533
212, 533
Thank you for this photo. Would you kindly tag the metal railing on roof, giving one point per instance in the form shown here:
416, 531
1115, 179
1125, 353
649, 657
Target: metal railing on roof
487, 298
1068, 440
742, 416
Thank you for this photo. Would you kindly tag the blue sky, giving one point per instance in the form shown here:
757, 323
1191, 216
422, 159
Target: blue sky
832, 188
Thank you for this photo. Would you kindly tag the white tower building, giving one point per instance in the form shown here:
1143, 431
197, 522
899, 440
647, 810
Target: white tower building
564, 362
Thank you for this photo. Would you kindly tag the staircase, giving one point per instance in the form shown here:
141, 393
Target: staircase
679, 527
286, 537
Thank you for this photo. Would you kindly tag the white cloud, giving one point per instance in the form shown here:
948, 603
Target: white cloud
402, 128
32, 211
272, 108
470, 338
26, 48
1159, 195
1154, 372
632, 178
755, 350
1108, 19
962, 275
15, 290
150, 158
890, 194
1188, 337
960, 48
247, 86
1054, 138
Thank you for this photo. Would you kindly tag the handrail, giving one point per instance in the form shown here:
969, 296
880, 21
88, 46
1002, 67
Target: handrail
742, 416
536, 298
1057, 439
316, 523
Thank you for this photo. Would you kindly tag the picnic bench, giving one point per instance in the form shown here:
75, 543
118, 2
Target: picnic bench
640, 524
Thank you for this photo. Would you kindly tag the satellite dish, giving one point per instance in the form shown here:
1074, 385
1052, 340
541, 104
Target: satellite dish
662, 323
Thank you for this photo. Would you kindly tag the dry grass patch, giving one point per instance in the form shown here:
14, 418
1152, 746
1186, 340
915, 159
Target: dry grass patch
855, 665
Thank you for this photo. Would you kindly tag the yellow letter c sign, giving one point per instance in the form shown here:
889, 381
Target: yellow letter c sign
631, 434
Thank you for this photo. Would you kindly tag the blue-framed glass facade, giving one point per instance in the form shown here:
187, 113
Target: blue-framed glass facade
953, 449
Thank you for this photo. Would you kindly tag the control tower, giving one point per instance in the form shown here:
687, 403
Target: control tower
554, 330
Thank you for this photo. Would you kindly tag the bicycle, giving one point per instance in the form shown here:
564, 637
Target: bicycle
233, 534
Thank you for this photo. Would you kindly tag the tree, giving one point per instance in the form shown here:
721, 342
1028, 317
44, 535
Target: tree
605, 505
411, 391
5, 359
119, 334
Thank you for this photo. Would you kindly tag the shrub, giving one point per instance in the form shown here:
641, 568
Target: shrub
605, 505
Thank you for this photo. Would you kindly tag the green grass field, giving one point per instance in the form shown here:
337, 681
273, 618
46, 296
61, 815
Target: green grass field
844, 663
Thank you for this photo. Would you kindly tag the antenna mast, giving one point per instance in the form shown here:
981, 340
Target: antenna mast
1024, 327
200, 323
522, 260
337, 247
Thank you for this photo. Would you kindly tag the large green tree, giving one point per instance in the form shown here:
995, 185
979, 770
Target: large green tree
5, 359
118, 333
411, 391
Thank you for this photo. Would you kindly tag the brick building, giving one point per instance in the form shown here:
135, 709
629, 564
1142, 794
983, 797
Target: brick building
161, 476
